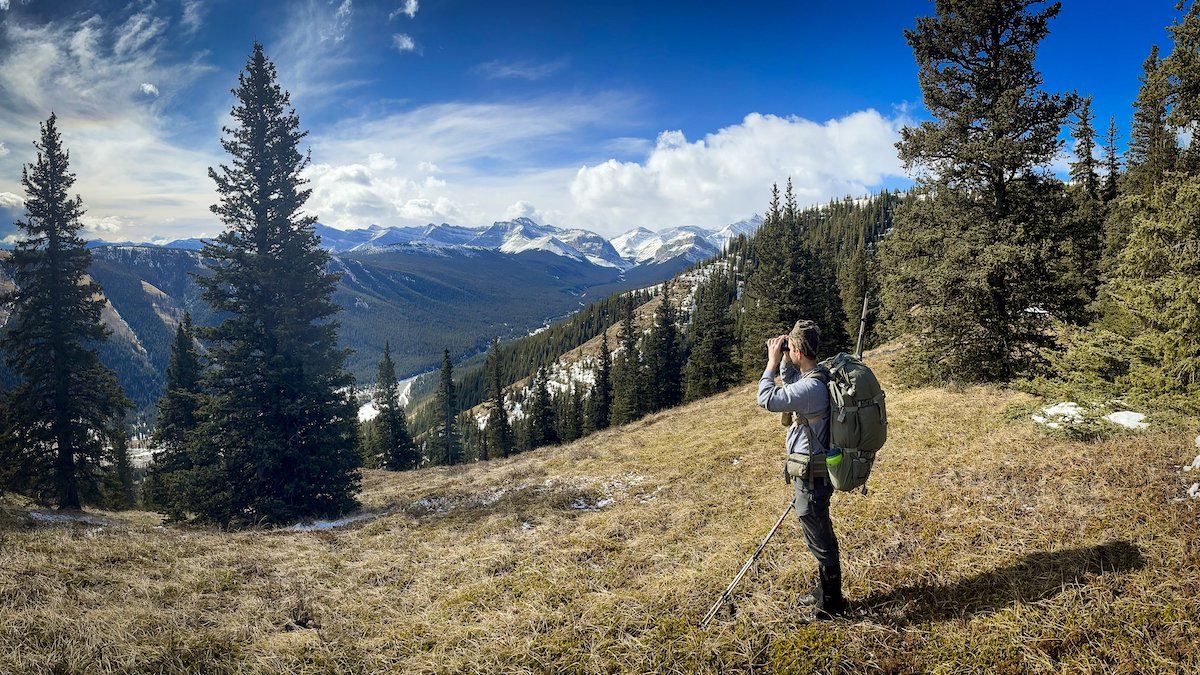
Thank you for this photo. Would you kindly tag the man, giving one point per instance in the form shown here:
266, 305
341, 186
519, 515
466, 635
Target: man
805, 396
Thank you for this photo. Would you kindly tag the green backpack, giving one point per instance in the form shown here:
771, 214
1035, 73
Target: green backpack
857, 421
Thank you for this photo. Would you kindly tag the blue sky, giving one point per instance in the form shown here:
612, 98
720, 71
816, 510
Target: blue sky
600, 115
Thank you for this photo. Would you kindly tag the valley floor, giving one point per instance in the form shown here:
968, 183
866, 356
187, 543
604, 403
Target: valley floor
985, 545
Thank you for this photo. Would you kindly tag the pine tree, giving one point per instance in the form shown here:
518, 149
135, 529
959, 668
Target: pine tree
178, 418
1112, 163
1083, 169
600, 400
1182, 72
278, 421
67, 405
664, 356
783, 284
393, 445
573, 425
710, 367
543, 426
122, 493
970, 268
628, 379
499, 434
1152, 146
447, 447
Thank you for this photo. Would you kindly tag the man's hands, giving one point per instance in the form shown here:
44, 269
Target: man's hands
775, 352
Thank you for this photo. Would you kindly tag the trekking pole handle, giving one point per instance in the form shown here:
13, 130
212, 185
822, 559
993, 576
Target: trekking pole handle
712, 612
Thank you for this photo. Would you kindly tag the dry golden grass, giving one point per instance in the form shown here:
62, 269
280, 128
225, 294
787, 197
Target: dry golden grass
984, 546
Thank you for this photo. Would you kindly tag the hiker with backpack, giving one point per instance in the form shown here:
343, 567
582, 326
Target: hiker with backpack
804, 395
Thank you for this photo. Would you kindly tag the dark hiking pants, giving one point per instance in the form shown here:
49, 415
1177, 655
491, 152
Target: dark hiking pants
812, 508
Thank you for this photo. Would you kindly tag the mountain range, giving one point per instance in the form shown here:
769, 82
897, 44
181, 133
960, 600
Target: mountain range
636, 247
422, 289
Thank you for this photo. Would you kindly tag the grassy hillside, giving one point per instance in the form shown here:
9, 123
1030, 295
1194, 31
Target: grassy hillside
985, 545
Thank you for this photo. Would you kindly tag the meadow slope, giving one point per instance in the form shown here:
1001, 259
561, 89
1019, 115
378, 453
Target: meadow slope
985, 545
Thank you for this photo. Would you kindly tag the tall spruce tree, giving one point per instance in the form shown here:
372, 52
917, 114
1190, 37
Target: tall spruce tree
278, 420
543, 426
783, 283
1083, 169
1153, 149
447, 446
600, 400
1086, 240
67, 405
393, 446
499, 433
665, 356
167, 479
1112, 163
710, 367
628, 379
972, 267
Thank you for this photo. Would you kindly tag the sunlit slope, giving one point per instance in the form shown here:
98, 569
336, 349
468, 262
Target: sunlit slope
984, 545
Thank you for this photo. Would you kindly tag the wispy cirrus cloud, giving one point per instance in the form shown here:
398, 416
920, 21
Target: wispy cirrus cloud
96, 74
521, 70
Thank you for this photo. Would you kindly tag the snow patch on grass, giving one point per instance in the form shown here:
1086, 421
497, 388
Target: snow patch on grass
321, 525
1054, 416
60, 518
1127, 419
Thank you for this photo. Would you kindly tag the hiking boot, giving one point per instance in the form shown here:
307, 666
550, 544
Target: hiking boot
826, 598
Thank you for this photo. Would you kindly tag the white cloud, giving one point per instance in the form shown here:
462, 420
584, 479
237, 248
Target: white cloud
728, 174
4, 5
3, 150
522, 70
458, 162
107, 224
9, 200
148, 89
193, 15
311, 58
377, 161
403, 43
126, 152
523, 209
340, 25
409, 8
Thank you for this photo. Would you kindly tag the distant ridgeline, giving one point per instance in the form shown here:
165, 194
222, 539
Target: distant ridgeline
814, 262
421, 299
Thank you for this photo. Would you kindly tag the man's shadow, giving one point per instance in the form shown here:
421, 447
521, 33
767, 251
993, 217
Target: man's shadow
1035, 577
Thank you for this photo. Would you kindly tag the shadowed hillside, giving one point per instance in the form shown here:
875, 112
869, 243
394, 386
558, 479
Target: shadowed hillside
985, 545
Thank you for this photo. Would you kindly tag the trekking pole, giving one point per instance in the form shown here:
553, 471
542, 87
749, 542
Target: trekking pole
862, 328
745, 568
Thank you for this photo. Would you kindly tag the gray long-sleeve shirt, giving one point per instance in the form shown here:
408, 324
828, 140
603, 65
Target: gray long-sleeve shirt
806, 397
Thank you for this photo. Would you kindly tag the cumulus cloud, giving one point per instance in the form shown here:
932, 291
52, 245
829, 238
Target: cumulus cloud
403, 43
9, 200
523, 209
409, 9
3, 150
148, 89
107, 224
459, 162
727, 174
521, 70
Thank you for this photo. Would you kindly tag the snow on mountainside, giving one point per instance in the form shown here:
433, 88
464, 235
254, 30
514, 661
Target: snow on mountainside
635, 247
641, 245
